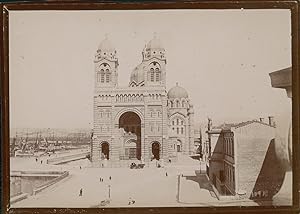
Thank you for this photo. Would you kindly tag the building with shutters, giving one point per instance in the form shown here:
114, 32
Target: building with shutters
241, 160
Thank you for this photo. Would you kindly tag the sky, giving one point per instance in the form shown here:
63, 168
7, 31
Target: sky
221, 57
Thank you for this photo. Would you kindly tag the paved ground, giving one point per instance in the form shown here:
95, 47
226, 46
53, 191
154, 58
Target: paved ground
148, 187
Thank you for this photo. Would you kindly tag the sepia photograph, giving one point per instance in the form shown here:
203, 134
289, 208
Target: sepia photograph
150, 108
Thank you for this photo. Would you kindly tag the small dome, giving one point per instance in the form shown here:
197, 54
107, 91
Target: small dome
106, 45
177, 92
154, 44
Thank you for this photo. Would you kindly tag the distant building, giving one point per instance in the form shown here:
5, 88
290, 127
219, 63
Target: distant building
241, 157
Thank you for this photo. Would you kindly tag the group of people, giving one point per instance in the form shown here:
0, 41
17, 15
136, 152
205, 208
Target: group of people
102, 180
36, 160
131, 201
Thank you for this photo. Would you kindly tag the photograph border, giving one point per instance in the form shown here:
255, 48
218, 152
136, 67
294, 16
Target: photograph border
293, 6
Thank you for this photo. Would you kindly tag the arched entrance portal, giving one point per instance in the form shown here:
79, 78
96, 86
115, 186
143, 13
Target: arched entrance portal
130, 149
131, 123
105, 150
155, 150
179, 145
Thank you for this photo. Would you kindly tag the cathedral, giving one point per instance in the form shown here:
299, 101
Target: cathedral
140, 122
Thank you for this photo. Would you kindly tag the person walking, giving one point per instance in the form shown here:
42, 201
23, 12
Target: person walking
80, 192
110, 178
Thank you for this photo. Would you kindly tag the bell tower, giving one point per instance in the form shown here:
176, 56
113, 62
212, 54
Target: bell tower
155, 62
106, 65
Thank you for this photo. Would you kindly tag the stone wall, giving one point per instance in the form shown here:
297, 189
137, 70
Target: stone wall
251, 145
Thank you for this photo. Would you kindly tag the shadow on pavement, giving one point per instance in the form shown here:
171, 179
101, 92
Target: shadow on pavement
202, 181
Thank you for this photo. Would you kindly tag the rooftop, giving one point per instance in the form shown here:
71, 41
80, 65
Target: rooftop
229, 126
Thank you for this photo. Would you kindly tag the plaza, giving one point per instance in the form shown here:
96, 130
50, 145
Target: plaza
149, 187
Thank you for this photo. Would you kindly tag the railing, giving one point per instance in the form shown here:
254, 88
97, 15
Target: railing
51, 182
67, 158
19, 197
59, 176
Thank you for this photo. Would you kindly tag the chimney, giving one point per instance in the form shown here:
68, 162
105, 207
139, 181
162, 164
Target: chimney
261, 119
271, 121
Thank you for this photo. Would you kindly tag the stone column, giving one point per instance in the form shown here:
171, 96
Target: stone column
95, 156
114, 146
164, 144
186, 141
143, 142
191, 130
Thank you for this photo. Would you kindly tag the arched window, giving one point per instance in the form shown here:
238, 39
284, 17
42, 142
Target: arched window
177, 130
173, 122
107, 75
182, 122
102, 75
177, 103
181, 130
177, 122
98, 76
105, 72
157, 75
151, 75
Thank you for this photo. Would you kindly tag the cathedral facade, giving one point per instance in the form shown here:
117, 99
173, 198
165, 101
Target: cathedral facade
140, 122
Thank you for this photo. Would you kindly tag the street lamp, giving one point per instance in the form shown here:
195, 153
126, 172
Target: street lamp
108, 191
178, 187
200, 164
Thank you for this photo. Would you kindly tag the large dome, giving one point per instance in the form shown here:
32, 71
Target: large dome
177, 92
137, 74
106, 45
